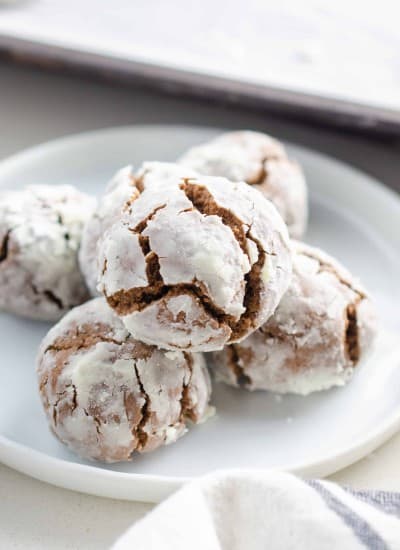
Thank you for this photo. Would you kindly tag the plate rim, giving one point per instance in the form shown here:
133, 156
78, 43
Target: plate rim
154, 488
149, 487
63, 140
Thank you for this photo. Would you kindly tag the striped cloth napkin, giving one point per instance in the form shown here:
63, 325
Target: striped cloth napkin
241, 510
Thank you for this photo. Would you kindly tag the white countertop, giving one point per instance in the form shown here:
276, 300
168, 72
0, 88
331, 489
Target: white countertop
35, 107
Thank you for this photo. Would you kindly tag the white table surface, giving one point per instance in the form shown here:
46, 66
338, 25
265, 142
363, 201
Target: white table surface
36, 107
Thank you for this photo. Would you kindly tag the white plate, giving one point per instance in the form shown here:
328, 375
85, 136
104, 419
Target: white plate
352, 217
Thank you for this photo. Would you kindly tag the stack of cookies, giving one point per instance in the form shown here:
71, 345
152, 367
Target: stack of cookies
185, 263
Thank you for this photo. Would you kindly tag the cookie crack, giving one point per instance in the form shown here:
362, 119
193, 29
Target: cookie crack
53, 298
242, 379
4, 247
74, 397
49, 294
138, 188
80, 338
141, 226
185, 401
139, 298
138, 181
252, 295
351, 339
153, 272
262, 175
96, 420
139, 432
327, 268
205, 203
97, 424
60, 221
277, 334
60, 396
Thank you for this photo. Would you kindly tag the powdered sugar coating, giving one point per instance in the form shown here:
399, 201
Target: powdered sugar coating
107, 395
323, 328
117, 195
215, 255
260, 161
40, 234
109, 207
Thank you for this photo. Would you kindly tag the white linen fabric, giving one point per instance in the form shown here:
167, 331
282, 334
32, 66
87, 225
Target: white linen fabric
243, 510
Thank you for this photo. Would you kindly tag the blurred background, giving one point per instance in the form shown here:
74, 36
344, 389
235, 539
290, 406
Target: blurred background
322, 74
336, 62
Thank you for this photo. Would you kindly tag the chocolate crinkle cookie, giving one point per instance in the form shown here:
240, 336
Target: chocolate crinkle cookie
117, 196
107, 395
323, 328
260, 161
40, 234
108, 209
193, 262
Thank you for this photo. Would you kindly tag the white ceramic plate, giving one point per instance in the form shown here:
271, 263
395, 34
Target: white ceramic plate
352, 217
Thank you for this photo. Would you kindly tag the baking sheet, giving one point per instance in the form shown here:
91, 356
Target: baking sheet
334, 61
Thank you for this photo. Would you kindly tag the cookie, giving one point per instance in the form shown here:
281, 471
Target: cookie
117, 195
323, 328
194, 263
40, 234
260, 161
107, 395
108, 209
